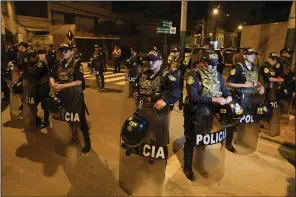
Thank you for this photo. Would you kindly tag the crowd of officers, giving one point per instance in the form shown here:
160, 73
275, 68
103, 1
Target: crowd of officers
204, 83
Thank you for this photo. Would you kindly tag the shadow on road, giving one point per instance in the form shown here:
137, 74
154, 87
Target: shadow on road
91, 177
291, 187
16, 124
178, 144
290, 158
111, 90
4, 106
39, 149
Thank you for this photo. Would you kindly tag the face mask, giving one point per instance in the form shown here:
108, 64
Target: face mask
212, 68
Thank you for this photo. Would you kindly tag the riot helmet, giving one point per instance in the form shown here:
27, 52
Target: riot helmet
134, 130
55, 102
230, 113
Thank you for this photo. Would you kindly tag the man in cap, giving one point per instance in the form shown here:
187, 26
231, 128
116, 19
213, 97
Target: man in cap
164, 83
51, 57
36, 73
177, 59
133, 65
285, 60
76, 52
244, 81
206, 91
97, 63
67, 78
21, 62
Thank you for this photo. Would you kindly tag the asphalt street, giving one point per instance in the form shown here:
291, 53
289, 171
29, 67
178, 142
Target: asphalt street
31, 167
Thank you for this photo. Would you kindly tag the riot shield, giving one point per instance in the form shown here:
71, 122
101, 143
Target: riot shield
29, 106
67, 135
142, 169
248, 130
274, 123
209, 154
15, 99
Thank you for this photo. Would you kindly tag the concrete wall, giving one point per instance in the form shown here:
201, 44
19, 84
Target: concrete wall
265, 38
60, 32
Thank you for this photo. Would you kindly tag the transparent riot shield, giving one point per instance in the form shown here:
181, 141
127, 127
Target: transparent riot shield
15, 99
274, 123
29, 106
248, 129
209, 154
67, 135
142, 169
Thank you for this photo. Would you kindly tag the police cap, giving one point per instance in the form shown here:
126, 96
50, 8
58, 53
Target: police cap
176, 50
210, 57
273, 56
249, 51
65, 46
154, 56
96, 46
31, 53
74, 46
286, 50
24, 44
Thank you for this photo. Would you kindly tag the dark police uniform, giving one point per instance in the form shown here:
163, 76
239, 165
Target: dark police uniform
37, 73
202, 86
77, 54
51, 58
98, 66
267, 71
248, 98
152, 87
182, 68
73, 96
133, 65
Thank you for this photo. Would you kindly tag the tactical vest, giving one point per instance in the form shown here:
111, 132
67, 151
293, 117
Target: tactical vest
151, 84
66, 75
251, 75
211, 84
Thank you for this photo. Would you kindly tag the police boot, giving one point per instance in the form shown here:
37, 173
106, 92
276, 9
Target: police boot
87, 145
229, 137
188, 153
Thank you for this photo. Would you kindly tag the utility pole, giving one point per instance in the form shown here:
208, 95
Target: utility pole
183, 26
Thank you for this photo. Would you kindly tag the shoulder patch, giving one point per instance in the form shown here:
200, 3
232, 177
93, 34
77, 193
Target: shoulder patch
278, 65
53, 51
190, 80
266, 70
232, 72
39, 64
26, 60
172, 78
141, 58
135, 64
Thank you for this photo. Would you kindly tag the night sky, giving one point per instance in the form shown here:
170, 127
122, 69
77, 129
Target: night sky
249, 12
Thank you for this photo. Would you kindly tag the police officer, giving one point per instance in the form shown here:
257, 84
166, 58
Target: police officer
178, 59
76, 52
51, 57
37, 73
165, 83
272, 73
97, 63
134, 64
21, 61
206, 91
285, 60
67, 78
243, 79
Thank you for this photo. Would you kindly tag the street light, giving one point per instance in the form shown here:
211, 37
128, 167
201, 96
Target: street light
215, 11
240, 27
